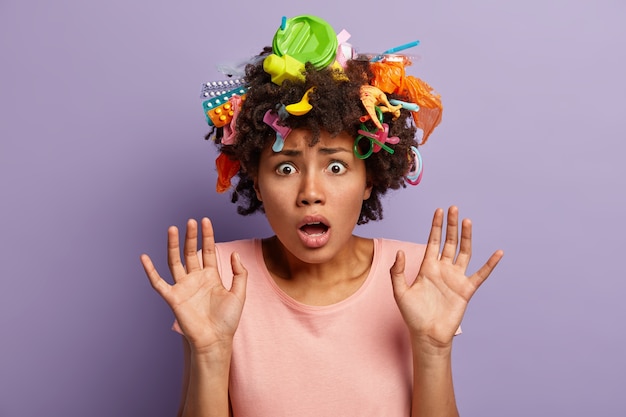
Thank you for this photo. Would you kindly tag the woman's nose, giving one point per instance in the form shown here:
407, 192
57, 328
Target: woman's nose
311, 190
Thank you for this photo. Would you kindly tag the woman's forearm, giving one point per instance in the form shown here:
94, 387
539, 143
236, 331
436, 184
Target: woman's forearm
207, 388
433, 390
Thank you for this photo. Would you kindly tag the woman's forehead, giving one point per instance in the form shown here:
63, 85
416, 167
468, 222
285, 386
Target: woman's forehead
299, 144
305, 138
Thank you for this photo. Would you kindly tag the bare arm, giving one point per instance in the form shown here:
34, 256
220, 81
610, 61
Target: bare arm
433, 307
186, 392
208, 315
207, 384
433, 391
185, 381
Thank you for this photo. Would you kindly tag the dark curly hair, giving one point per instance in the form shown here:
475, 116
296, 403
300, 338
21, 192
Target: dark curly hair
336, 108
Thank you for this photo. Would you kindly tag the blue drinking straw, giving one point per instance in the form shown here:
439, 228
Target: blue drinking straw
396, 49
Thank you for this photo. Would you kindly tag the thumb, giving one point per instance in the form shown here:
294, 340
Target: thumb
398, 280
240, 277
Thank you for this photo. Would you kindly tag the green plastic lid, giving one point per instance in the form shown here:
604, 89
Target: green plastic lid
306, 38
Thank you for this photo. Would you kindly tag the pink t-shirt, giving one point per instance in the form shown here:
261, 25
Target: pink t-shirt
352, 358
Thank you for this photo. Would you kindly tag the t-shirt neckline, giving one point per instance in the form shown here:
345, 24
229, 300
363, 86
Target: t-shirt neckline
306, 308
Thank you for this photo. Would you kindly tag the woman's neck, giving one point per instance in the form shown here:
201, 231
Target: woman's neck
319, 283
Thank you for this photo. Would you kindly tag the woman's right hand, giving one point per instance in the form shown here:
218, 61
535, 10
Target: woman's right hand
206, 311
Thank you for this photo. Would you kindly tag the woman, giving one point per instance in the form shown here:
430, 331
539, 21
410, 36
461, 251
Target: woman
316, 321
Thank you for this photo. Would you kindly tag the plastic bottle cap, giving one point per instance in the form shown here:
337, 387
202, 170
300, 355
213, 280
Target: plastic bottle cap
307, 38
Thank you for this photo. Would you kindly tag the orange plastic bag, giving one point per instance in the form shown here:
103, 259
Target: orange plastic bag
226, 170
391, 78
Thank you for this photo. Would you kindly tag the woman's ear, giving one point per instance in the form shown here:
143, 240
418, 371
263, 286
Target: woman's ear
257, 191
368, 189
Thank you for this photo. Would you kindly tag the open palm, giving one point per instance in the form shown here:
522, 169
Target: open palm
433, 306
206, 311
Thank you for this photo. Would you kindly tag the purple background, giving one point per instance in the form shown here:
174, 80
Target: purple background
101, 148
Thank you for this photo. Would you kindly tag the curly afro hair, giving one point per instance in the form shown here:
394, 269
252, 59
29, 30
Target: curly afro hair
336, 108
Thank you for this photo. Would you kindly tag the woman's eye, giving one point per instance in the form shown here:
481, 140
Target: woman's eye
337, 168
285, 169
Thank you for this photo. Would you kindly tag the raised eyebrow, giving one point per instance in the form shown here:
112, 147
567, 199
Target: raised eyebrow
325, 151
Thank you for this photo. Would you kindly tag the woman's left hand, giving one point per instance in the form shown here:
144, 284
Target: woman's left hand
433, 306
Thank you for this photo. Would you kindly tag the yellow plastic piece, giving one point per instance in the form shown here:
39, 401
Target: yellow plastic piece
338, 73
283, 68
302, 107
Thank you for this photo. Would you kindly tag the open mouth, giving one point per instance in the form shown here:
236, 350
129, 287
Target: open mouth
314, 228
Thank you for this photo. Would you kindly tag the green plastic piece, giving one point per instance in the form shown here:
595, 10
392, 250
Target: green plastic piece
307, 39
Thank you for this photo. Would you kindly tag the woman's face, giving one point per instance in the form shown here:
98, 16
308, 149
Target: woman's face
312, 195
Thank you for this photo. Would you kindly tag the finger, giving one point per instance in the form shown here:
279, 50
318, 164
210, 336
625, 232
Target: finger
156, 281
465, 248
191, 246
173, 254
434, 239
398, 279
209, 258
483, 273
240, 277
452, 235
